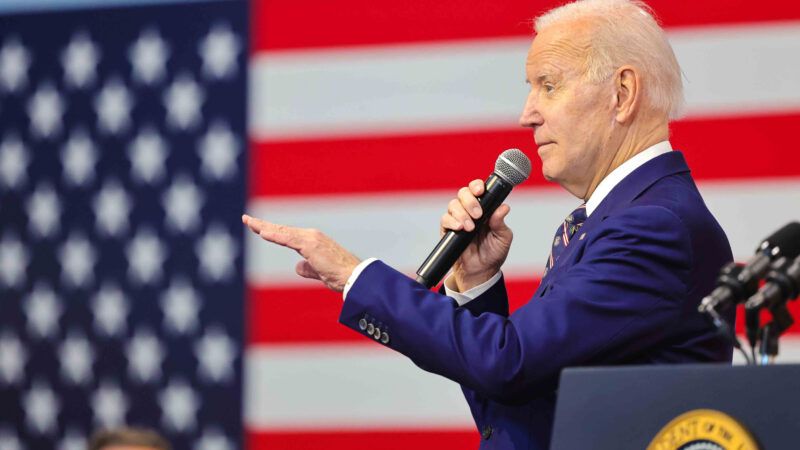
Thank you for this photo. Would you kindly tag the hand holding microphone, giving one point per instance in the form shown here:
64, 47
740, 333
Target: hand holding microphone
475, 239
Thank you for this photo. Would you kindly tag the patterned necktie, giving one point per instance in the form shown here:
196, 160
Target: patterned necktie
564, 235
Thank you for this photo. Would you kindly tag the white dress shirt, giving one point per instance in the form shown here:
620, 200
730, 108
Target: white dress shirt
600, 193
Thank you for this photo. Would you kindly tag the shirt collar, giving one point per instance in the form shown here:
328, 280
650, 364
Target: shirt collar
625, 169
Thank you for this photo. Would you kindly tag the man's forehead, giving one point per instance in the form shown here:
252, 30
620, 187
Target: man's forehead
563, 43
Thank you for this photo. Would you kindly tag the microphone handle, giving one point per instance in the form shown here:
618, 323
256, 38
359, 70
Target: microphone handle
453, 243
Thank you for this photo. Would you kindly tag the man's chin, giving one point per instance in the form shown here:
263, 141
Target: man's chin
547, 176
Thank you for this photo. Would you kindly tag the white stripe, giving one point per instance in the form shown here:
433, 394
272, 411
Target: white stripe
410, 88
730, 70
740, 69
342, 387
346, 387
788, 350
401, 229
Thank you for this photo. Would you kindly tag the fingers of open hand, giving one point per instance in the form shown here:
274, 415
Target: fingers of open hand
304, 269
278, 234
252, 223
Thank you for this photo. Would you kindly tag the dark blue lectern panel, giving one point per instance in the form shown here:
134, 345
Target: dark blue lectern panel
625, 408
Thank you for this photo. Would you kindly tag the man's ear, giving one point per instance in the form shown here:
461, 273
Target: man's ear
627, 86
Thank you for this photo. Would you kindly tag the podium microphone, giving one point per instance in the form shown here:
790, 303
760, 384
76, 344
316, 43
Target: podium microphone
738, 282
512, 168
783, 283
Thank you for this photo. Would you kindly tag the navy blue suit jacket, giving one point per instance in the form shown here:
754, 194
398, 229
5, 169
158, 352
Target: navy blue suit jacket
625, 291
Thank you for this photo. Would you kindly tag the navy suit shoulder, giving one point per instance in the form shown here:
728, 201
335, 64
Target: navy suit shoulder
625, 291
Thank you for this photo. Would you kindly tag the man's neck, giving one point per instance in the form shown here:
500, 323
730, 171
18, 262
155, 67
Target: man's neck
634, 142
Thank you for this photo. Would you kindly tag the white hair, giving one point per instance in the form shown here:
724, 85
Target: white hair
626, 32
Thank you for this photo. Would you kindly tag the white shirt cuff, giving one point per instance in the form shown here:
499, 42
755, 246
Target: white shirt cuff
462, 298
354, 276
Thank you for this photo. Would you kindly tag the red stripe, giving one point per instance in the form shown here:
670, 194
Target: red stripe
766, 317
348, 440
309, 315
381, 164
745, 147
306, 315
281, 25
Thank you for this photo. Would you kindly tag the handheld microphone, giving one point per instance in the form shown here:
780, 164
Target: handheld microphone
512, 168
738, 282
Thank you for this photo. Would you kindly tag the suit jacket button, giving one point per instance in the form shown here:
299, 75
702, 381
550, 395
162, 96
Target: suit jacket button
362, 324
370, 329
377, 334
486, 433
385, 337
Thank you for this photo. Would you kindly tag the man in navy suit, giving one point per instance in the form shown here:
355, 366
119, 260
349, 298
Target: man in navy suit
628, 266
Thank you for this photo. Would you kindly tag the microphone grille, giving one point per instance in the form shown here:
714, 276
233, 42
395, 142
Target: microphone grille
513, 166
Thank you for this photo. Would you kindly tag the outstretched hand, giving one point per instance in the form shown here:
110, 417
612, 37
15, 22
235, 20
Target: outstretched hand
324, 259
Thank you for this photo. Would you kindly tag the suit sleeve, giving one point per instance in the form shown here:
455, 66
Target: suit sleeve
620, 298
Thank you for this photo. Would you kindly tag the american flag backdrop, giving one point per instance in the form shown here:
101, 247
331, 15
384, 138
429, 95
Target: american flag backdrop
122, 149
363, 120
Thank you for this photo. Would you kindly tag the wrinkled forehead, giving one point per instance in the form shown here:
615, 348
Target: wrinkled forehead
565, 45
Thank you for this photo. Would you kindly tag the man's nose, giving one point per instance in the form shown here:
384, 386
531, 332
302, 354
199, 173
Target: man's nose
530, 116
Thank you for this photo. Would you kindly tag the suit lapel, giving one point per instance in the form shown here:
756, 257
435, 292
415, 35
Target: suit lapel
620, 196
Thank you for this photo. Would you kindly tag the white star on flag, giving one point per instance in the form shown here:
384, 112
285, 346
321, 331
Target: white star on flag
216, 251
145, 355
109, 405
41, 407
76, 356
111, 208
13, 261
147, 153
14, 63
72, 440
183, 100
44, 211
45, 110
182, 202
79, 158
146, 254
219, 50
14, 162
180, 304
113, 105
215, 351
218, 151
213, 439
110, 310
12, 359
77, 257
148, 57
9, 440
80, 60
179, 404
42, 310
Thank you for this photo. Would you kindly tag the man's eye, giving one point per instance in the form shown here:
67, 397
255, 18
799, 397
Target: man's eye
548, 87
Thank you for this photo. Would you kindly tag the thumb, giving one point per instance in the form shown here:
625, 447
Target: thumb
304, 269
497, 222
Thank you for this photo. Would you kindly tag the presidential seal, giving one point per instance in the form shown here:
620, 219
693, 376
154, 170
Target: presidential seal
703, 429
